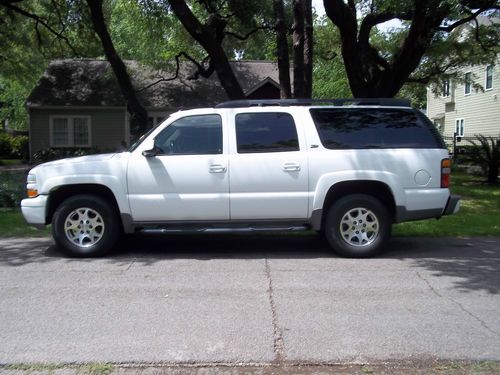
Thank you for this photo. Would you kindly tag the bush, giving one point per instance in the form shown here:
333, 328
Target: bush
20, 148
14, 147
5, 145
12, 188
485, 152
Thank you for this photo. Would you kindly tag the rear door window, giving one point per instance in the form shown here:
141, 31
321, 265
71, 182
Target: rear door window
359, 128
266, 132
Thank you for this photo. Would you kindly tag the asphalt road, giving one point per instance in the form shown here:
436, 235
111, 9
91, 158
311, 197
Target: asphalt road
247, 299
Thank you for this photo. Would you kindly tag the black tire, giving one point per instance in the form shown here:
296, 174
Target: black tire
85, 226
357, 226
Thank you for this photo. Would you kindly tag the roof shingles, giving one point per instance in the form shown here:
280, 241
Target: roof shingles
86, 82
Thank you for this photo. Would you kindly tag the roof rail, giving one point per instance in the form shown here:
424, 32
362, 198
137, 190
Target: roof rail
389, 102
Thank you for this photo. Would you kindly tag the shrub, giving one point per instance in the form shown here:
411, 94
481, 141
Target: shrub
20, 148
14, 147
486, 153
5, 145
12, 188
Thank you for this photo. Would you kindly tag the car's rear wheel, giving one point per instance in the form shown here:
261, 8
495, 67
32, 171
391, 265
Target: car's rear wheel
85, 226
357, 225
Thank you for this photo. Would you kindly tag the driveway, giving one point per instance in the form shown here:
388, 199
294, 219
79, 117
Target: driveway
233, 299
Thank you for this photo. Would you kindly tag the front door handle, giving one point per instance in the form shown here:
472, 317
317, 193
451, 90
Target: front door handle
217, 168
291, 167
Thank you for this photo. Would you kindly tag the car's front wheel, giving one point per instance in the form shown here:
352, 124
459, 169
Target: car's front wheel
357, 225
85, 226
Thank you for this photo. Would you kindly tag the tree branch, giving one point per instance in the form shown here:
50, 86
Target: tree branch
374, 19
165, 79
465, 20
250, 33
9, 4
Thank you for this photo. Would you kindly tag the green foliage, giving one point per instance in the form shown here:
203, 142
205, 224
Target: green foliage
147, 32
14, 147
12, 188
26, 47
486, 154
20, 148
329, 76
5, 146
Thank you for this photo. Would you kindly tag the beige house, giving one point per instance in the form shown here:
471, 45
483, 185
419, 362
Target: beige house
464, 108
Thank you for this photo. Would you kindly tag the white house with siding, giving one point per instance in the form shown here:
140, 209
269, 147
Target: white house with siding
465, 108
470, 105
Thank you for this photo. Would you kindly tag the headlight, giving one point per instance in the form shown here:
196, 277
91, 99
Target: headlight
31, 188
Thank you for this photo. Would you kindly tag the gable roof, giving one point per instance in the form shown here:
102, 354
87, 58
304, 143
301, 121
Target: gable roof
89, 82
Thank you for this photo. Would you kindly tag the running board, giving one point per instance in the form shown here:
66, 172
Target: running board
167, 230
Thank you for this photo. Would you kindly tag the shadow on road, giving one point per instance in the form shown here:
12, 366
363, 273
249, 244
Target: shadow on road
473, 263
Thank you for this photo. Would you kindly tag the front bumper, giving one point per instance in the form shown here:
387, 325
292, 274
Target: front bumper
34, 210
453, 205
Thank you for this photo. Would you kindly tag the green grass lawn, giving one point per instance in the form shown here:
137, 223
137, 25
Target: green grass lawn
12, 224
479, 215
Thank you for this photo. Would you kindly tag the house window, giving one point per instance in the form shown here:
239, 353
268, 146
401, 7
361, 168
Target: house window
467, 83
489, 77
459, 127
446, 88
70, 131
155, 118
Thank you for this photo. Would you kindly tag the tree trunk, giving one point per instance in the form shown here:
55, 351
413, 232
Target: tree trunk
298, 49
368, 73
138, 115
209, 37
282, 46
308, 48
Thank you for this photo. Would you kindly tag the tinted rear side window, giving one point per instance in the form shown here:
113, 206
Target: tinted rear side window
266, 132
359, 128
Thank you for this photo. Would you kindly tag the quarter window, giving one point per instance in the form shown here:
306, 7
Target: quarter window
266, 132
192, 135
489, 77
70, 131
374, 128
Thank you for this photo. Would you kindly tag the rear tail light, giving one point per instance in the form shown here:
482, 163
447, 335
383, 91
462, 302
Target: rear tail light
445, 173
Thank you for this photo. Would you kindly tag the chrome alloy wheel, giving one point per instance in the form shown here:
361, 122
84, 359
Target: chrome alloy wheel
359, 227
84, 227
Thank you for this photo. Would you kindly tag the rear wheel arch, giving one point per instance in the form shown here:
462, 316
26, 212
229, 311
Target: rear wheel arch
377, 189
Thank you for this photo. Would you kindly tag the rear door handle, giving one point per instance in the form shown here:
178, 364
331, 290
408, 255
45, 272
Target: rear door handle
217, 168
291, 167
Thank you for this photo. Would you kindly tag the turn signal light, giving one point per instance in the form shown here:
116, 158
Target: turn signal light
445, 173
32, 193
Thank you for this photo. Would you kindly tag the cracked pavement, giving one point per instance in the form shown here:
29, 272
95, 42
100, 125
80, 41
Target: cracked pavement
237, 299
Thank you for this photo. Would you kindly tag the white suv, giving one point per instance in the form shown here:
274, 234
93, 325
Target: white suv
347, 168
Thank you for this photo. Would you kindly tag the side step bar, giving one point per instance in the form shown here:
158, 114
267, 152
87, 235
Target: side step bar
167, 230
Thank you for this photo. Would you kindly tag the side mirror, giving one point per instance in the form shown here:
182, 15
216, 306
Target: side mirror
151, 153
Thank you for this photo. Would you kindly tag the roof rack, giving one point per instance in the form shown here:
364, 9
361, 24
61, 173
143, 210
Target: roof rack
389, 102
